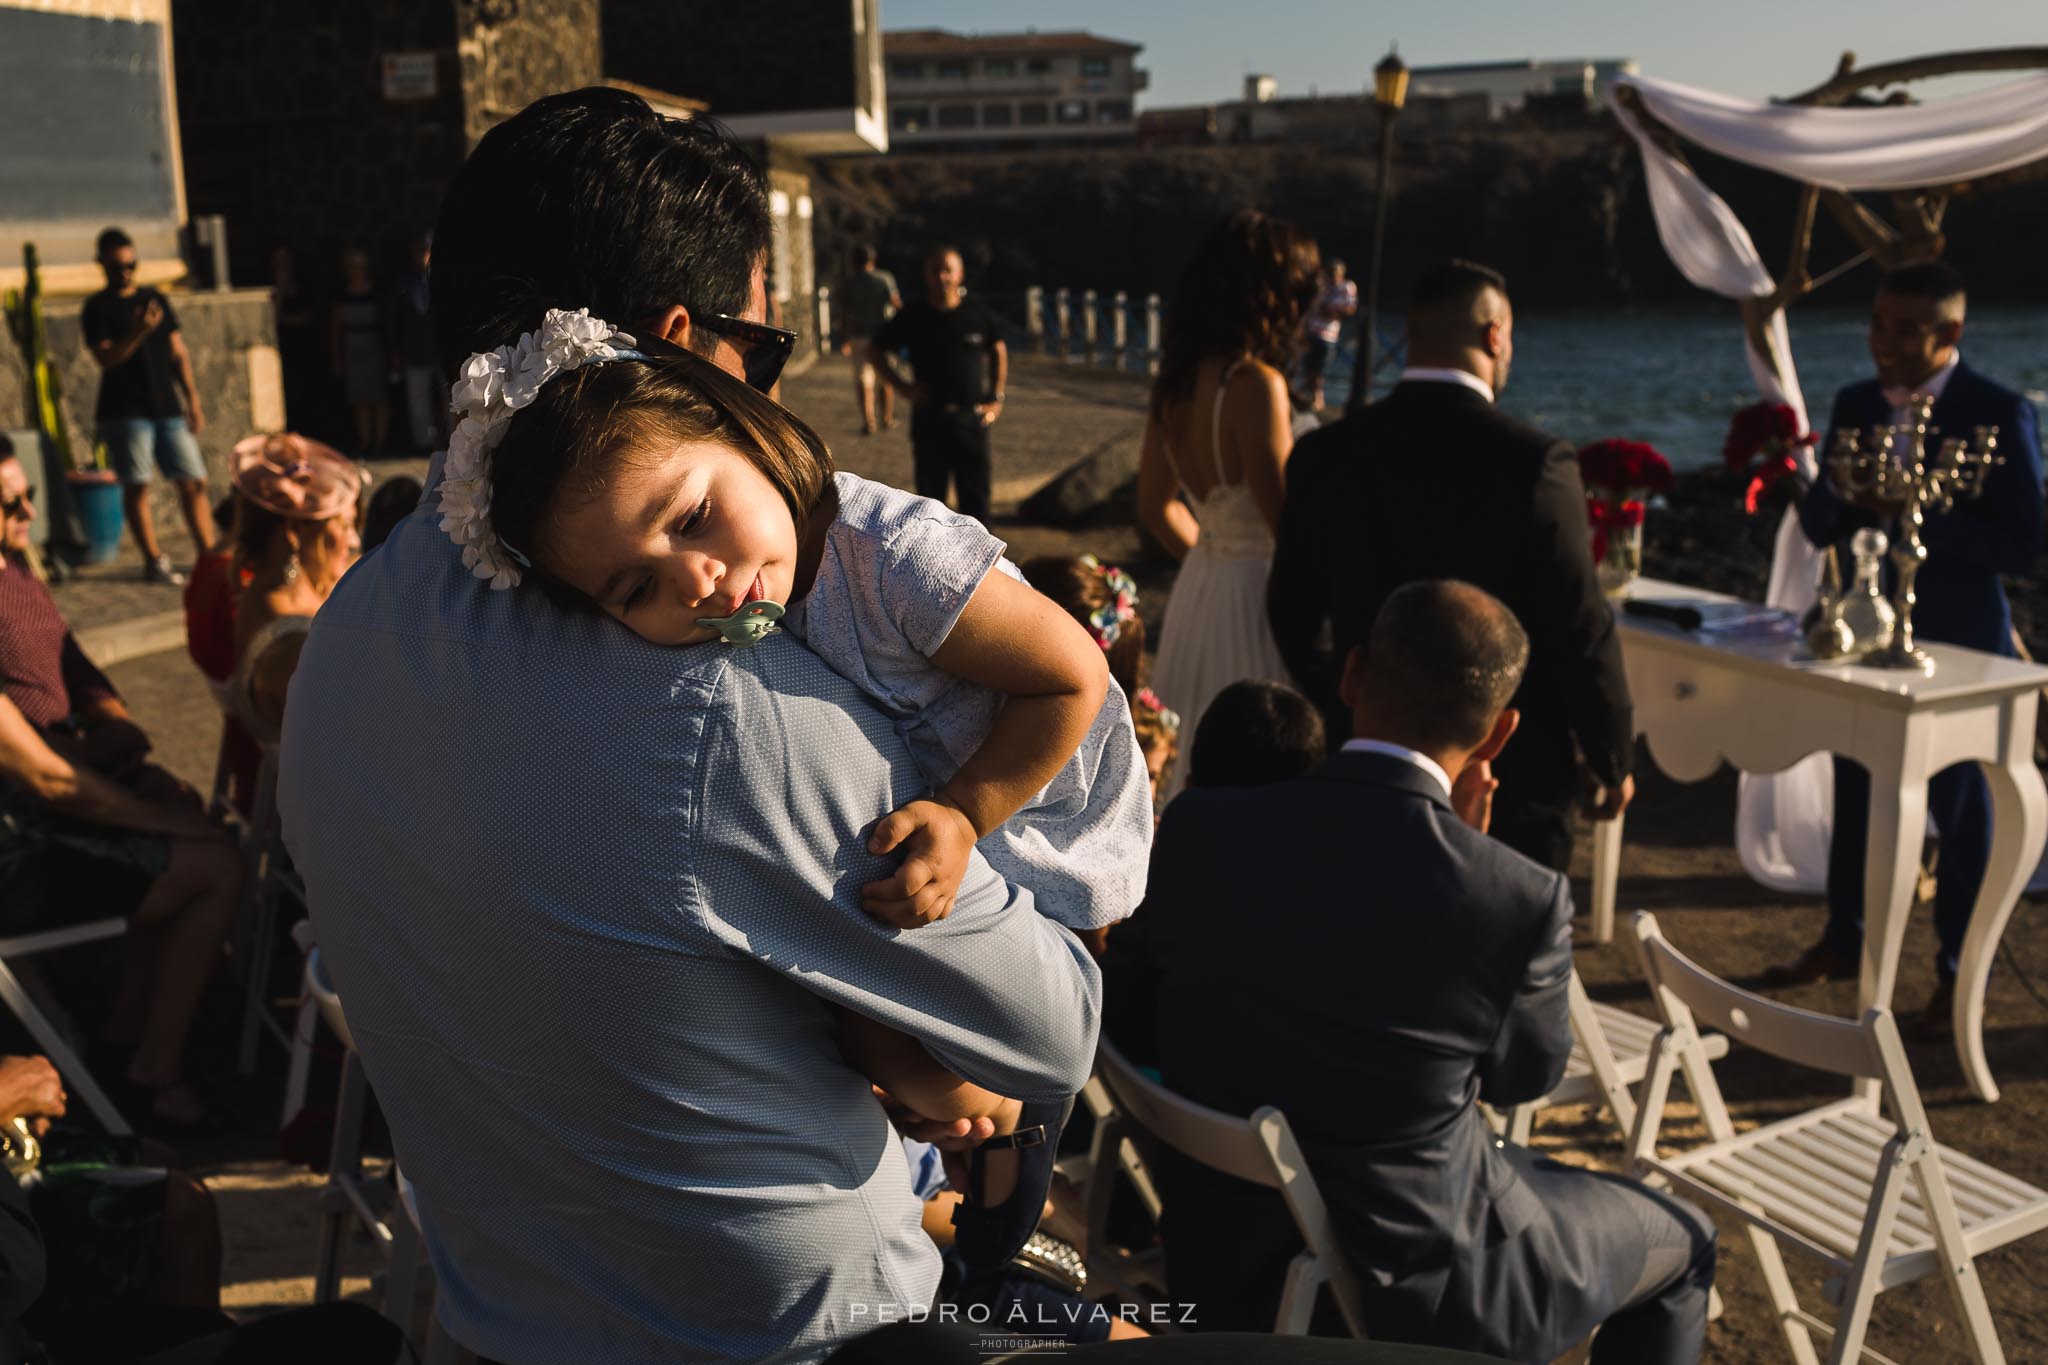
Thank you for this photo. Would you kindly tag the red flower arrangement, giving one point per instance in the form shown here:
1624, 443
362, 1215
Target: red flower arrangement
1763, 445
1617, 474
1620, 468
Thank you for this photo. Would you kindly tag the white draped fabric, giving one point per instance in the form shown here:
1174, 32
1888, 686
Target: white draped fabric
1782, 819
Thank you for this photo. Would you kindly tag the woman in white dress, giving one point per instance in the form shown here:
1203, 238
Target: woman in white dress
1212, 469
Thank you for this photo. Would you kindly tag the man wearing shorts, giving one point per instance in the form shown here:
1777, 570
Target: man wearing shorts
871, 300
90, 829
133, 334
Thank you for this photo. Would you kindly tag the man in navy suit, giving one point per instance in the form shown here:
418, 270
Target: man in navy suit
1352, 948
1914, 330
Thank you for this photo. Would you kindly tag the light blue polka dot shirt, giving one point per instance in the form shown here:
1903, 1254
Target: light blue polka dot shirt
588, 902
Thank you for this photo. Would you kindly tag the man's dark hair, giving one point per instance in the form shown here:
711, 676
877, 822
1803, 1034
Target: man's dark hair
1253, 733
1935, 280
864, 255
945, 249
590, 199
1446, 296
6, 447
1442, 661
111, 239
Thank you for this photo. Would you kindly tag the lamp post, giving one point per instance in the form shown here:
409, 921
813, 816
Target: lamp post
1389, 92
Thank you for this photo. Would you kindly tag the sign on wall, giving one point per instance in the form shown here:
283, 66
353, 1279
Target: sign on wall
410, 76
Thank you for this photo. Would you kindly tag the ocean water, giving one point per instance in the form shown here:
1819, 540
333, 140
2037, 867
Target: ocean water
1674, 380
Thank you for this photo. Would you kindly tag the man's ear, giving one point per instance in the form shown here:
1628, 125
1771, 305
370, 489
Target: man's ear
672, 325
1497, 739
1353, 680
1949, 333
1490, 337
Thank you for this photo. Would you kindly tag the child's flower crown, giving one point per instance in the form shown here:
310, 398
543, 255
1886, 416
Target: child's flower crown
1148, 700
493, 386
1107, 621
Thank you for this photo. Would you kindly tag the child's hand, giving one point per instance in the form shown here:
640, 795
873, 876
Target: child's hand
936, 838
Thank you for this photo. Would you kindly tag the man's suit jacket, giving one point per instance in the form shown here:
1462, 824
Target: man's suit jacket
1344, 947
1433, 481
1960, 600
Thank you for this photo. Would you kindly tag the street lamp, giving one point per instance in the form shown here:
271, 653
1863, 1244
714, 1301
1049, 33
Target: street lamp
1389, 93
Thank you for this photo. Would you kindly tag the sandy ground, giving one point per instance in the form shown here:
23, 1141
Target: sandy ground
1678, 862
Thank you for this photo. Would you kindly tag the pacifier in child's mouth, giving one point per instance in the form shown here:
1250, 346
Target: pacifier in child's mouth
752, 623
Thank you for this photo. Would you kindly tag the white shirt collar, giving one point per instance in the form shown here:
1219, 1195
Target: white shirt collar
1932, 386
1420, 760
1429, 375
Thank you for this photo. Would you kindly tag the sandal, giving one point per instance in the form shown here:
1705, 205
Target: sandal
987, 1235
146, 1111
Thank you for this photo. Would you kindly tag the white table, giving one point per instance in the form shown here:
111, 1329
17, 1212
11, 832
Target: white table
1762, 705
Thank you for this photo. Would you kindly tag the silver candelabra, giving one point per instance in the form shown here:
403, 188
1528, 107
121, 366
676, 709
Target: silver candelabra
1877, 466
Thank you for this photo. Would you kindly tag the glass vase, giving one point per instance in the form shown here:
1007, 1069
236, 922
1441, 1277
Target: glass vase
1623, 562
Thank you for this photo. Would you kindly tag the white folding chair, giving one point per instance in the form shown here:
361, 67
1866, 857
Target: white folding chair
1867, 1192
1260, 1149
267, 872
1610, 1053
53, 1043
1138, 1274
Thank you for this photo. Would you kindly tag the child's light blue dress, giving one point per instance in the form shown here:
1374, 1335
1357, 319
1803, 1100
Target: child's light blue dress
896, 573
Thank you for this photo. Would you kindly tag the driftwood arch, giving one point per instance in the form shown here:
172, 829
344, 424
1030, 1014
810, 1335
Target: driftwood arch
1916, 235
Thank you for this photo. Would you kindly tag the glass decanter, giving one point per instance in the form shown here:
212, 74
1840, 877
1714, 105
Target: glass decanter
1868, 615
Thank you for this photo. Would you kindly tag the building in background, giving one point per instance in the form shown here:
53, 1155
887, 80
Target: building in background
1348, 120
794, 81
955, 91
1508, 86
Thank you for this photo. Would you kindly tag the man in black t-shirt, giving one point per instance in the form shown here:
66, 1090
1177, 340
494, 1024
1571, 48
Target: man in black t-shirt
144, 369
960, 366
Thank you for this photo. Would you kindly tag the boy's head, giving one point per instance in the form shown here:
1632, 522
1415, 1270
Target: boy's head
1254, 733
590, 199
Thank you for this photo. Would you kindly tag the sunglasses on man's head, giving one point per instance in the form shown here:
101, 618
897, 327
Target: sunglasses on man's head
19, 507
764, 350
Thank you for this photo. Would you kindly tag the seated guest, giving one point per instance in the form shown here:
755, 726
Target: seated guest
295, 527
1103, 598
212, 592
1158, 727
1401, 966
1256, 732
392, 503
89, 828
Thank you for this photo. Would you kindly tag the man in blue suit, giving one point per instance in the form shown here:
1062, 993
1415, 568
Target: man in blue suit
1915, 327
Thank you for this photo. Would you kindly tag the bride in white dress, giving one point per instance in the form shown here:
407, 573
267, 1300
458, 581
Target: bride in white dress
1212, 469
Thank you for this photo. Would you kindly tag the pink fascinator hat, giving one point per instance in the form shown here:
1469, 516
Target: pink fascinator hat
297, 478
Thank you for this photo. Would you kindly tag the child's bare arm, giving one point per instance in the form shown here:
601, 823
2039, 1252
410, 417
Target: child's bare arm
899, 1064
1053, 678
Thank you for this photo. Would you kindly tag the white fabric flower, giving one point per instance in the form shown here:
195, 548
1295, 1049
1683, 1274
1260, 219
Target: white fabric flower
493, 386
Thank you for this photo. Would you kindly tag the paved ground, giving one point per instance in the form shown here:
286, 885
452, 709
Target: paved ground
1678, 862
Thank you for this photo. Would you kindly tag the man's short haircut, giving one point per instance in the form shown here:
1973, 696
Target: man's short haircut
1937, 281
589, 199
944, 249
1253, 733
112, 239
864, 255
1445, 301
1442, 661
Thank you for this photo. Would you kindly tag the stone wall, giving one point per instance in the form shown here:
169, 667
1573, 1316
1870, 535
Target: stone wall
222, 330
512, 54
287, 130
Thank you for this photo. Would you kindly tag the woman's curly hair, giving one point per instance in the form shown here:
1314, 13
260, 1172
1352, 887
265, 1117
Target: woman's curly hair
1244, 293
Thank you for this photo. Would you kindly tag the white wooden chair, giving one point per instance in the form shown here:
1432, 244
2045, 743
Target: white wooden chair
267, 872
1260, 1149
1610, 1053
1859, 1183
45, 1031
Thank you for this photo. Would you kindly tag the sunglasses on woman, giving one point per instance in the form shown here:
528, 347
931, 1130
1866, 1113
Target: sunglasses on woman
19, 507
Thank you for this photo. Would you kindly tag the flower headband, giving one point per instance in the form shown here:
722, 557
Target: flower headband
1106, 622
1148, 700
495, 385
